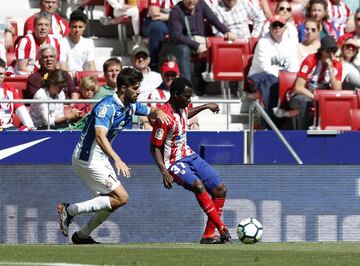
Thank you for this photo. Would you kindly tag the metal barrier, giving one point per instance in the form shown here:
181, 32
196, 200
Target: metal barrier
250, 137
70, 101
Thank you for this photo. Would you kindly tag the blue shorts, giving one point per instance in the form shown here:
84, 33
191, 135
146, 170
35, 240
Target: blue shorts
189, 169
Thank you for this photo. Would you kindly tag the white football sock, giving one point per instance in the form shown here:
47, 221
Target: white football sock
97, 219
93, 205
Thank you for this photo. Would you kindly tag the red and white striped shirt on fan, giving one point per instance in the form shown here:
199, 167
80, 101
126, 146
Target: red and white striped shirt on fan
28, 48
172, 138
339, 15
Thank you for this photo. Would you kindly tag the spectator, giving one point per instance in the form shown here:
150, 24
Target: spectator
88, 88
130, 9
7, 110
339, 14
140, 60
170, 71
354, 34
77, 52
187, 32
7, 38
236, 15
317, 71
273, 53
311, 43
284, 9
317, 9
155, 26
27, 48
350, 74
111, 68
47, 55
52, 114
59, 26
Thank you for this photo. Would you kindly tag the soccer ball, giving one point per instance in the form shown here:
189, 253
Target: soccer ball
249, 231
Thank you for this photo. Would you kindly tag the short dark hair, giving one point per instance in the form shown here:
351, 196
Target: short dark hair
313, 2
128, 76
357, 11
78, 15
2, 63
110, 62
178, 85
57, 76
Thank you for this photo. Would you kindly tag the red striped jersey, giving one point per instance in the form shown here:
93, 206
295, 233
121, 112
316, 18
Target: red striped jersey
7, 109
171, 139
339, 14
27, 48
316, 73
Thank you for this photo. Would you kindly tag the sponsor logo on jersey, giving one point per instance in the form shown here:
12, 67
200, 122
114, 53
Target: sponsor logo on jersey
304, 69
102, 111
159, 134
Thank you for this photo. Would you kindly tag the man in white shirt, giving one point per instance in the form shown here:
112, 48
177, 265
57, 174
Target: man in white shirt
273, 53
77, 52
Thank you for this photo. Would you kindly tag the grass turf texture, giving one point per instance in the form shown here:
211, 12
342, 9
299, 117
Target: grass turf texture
334, 253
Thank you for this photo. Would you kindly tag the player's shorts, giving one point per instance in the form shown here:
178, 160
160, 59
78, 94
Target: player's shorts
189, 169
98, 175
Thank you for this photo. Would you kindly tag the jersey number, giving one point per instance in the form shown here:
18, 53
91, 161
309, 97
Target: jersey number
178, 168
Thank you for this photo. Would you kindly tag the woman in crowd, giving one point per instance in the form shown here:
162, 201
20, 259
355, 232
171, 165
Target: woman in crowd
318, 10
311, 43
351, 73
283, 8
52, 114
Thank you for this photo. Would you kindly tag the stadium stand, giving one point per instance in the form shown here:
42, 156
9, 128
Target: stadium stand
19, 82
355, 119
99, 75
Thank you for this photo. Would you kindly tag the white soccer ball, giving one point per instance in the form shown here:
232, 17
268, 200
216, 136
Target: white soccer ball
249, 231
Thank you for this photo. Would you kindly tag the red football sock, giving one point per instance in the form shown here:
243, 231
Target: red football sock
210, 226
209, 208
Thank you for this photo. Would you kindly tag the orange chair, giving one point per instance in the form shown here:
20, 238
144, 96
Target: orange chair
355, 119
334, 111
99, 75
19, 82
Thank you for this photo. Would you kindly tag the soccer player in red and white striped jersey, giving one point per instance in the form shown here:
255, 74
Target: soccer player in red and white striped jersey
178, 162
27, 48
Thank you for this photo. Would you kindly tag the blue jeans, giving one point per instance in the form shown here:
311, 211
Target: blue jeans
183, 55
155, 30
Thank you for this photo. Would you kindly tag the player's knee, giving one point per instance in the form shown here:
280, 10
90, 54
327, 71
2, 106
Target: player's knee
120, 200
220, 191
198, 187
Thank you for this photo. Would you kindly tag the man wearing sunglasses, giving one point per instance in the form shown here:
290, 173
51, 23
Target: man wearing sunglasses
317, 71
273, 53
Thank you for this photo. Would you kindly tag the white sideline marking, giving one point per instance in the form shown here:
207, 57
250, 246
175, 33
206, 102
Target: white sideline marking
43, 264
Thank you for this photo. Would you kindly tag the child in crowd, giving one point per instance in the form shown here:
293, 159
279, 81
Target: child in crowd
89, 86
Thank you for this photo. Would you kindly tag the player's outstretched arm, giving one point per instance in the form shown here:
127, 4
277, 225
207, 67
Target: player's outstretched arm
102, 141
167, 178
156, 113
214, 107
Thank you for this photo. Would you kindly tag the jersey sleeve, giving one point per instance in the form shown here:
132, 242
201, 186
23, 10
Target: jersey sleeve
338, 67
141, 109
158, 134
103, 115
305, 68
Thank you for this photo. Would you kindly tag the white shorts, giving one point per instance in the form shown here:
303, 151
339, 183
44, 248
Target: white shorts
99, 176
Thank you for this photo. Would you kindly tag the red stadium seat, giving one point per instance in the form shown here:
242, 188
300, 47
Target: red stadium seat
252, 44
99, 75
355, 119
334, 111
286, 85
10, 59
19, 82
316, 101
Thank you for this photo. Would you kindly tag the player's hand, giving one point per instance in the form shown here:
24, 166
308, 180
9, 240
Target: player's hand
163, 117
167, 180
213, 107
122, 168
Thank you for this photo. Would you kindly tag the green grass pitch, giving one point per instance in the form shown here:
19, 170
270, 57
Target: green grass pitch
289, 254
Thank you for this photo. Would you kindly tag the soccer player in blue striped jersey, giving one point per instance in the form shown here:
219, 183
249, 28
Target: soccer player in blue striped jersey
93, 155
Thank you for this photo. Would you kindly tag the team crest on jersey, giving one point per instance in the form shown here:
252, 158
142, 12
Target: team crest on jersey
102, 111
304, 69
159, 134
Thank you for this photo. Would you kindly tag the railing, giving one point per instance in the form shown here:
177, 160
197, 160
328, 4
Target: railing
70, 101
250, 141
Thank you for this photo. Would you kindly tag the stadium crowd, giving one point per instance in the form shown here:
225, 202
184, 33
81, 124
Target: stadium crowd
318, 39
